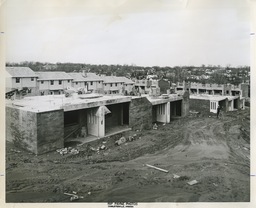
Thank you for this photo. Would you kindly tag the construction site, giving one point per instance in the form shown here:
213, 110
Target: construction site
100, 148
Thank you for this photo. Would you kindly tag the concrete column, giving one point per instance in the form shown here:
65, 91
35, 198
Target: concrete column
168, 113
101, 122
232, 105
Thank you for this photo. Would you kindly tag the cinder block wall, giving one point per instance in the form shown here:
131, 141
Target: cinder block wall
202, 106
21, 128
36, 132
50, 131
140, 115
185, 104
245, 90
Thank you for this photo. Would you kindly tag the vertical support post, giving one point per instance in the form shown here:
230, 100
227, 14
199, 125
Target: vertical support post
101, 122
168, 113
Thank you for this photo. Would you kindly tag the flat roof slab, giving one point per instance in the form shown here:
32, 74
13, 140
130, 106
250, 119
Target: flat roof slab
170, 98
58, 102
212, 97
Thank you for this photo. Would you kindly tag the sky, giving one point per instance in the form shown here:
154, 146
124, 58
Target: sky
139, 32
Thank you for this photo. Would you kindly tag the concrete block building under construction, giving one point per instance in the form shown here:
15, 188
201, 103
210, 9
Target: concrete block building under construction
41, 124
207, 97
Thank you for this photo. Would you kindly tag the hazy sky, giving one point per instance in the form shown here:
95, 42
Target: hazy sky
141, 32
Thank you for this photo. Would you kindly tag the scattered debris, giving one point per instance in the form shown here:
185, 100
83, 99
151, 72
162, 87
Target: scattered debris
103, 147
74, 196
163, 170
245, 148
155, 127
130, 138
215, 184
120, 141
176, 176
69, 150
191, 183
15, 151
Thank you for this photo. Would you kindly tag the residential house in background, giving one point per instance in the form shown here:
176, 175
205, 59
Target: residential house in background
146, 86
53, 83
113, 85
214, 89
78, 81
128, 84
94, 82
18, 78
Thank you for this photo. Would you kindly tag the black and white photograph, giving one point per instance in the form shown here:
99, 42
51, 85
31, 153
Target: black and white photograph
123, 102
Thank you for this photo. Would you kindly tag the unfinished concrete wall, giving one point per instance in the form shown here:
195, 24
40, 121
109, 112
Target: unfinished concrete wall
164, 86
202, 106
21, 128
50, 131
245, 90
185, 104
140, 113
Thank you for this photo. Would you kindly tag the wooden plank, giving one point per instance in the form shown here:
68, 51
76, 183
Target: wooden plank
163, 170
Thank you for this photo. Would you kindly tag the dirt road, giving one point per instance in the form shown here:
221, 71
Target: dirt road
215, 152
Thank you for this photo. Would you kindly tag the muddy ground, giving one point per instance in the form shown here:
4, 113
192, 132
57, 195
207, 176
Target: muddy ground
215, 152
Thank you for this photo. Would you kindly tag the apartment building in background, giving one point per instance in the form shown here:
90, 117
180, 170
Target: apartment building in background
18, 78
53, 83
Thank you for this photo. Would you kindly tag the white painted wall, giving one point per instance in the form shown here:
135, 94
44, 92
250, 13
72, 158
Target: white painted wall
214, 106
46, 85
115, 86
95, 85
161, 113
79, 84
128, 87
24, 82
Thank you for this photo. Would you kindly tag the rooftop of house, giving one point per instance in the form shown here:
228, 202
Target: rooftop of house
57, 102
164, 99
115, 79
56, 75
20, 72
126, 80
85, 77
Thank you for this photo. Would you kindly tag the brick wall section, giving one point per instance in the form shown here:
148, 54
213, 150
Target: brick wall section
50, 134
202, 106
21, 128
140, 114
